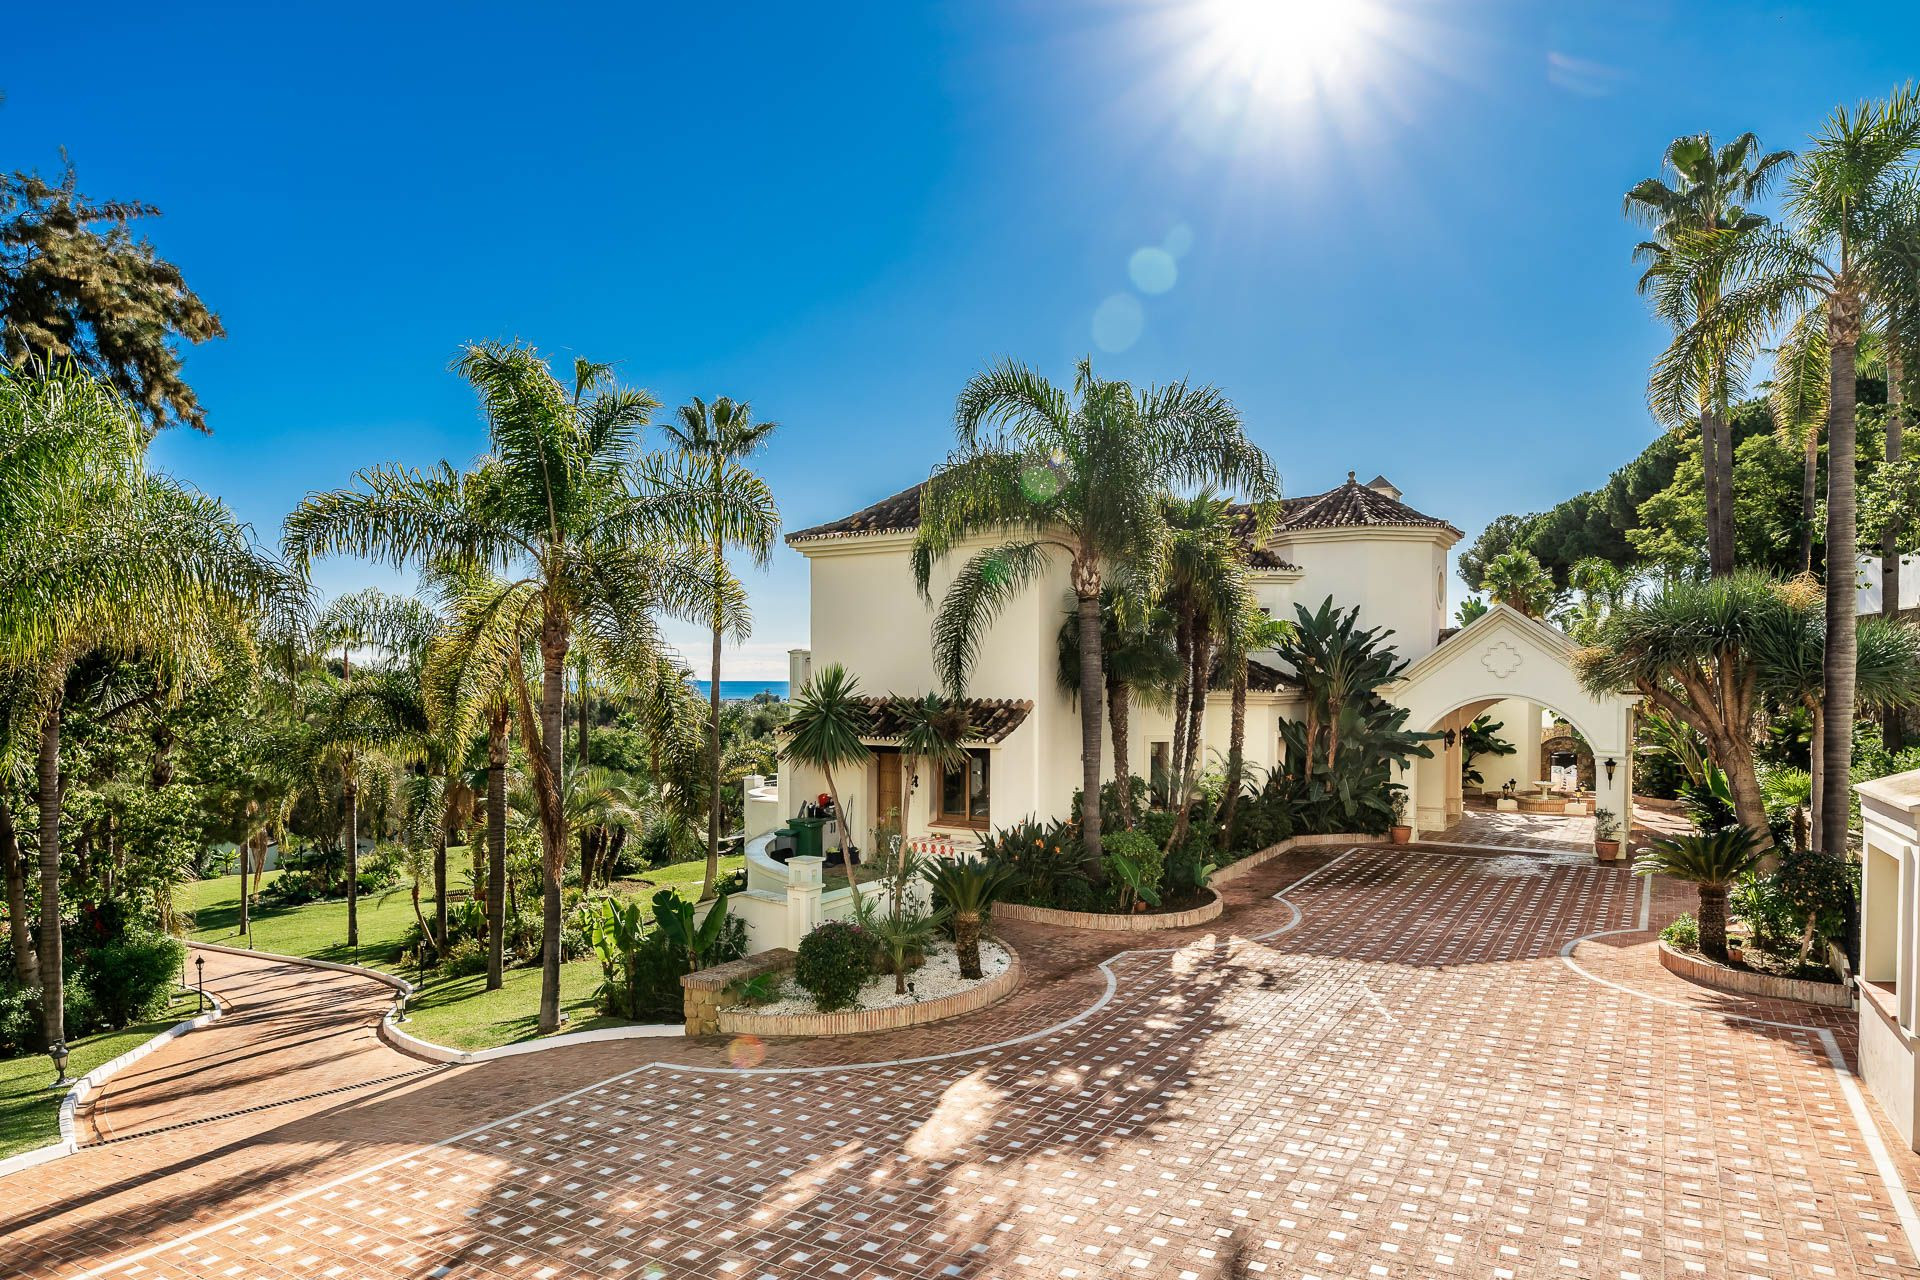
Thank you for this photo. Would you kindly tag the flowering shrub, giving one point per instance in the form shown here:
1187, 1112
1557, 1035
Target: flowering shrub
1044, 859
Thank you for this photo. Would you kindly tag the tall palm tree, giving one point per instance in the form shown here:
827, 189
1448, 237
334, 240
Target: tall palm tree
1846, 193
1080, 474
829, 720
1207, 591
97, 554
1519, 581
397, 629
559, 533
1253, 631
1136, 649
737, 511
1705, 188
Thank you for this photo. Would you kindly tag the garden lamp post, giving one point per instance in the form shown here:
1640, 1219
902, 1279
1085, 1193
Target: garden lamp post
58, 1052
200, 972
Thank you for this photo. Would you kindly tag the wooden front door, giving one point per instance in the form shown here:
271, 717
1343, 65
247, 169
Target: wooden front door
886, 798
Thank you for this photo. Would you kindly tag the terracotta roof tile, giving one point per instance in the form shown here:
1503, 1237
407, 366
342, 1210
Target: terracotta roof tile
988, 719
1351, 505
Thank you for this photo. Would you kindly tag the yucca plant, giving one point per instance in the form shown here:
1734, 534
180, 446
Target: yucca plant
968, 888
1712, 864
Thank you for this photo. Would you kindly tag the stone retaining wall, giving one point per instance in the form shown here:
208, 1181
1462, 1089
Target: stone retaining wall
704, 989
1708, 974
735, 1022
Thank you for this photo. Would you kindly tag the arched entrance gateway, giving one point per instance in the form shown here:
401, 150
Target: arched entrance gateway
1509, 662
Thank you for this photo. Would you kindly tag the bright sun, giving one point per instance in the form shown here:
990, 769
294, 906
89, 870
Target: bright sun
1288, 49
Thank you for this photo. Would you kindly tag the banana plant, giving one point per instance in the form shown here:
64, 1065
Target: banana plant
699, 942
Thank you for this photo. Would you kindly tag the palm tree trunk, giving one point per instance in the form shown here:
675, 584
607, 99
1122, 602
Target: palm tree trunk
1843, 332
1236, 751
26, 963
1183, 655
1809, 496
553, 836
496, 844
1817, 762
585, 709
966, 941
1118, 698
1713, 922
1723, 428
353, 858
1717, 480
52, 985
713, 765
1196, 713
1092, 720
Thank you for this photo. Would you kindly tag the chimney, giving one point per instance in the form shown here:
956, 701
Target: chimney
1380, 484
799, 669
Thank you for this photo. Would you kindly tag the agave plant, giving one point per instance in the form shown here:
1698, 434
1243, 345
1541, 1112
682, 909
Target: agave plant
1712, 863
969, 888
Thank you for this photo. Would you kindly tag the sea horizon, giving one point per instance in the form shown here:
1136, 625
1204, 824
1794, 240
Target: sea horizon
744, 690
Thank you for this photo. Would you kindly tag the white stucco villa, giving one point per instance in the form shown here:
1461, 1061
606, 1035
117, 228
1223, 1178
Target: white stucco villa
1358, 543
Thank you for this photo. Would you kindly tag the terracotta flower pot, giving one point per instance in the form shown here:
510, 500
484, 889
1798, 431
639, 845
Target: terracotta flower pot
1401, 835
1606, 850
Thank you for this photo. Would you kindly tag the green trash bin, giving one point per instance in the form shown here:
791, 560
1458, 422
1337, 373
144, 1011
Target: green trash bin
807, 837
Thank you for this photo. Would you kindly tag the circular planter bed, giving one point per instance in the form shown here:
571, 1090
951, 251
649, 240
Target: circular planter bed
1746, 982
1209, 908
939, 993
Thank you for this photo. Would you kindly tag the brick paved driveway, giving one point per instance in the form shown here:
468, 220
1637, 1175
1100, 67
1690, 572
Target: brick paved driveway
1391, 1072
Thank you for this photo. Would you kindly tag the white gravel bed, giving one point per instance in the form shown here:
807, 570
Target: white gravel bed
939, 976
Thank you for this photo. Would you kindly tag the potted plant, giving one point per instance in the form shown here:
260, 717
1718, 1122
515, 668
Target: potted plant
1606, 835
1400, 832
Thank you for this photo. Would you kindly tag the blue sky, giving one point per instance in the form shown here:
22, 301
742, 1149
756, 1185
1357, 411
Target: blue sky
1394, 231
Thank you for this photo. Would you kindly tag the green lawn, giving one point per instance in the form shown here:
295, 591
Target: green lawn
30, 1110
452, 1011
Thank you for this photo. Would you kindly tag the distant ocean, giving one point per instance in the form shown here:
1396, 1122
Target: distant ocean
743, 690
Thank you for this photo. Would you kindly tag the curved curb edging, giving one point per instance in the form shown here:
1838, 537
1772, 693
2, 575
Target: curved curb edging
892, 1018
1765, 985
395, 1038
1235, 870
399, 984
70, 1105
414, 1047
1112, 922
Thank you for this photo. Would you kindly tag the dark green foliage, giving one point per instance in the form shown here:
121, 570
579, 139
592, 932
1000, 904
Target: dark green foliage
1044, 860
1339, 760
129, 978
834, 962
19, 1013
1262, 820
640, 967
1134, 864
1111, 819
76, 284
1597, 523
1804, 898
466, 957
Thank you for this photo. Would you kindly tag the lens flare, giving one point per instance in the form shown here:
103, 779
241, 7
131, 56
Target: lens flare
746, 1052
